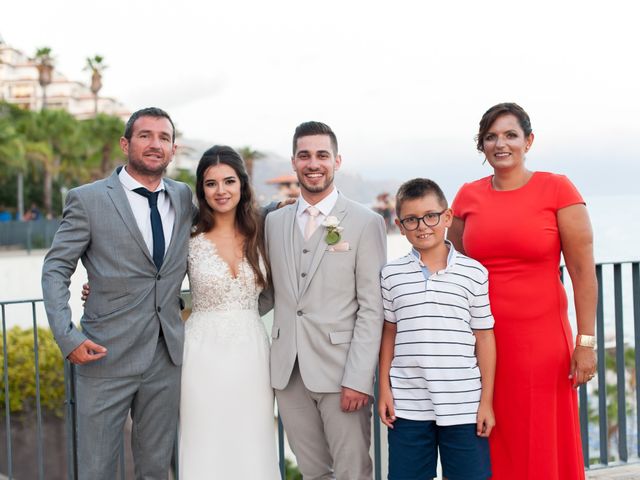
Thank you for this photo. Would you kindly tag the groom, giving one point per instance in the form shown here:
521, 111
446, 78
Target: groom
131, 232
328, 314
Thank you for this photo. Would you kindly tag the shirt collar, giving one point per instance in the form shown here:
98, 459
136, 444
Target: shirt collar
325, 205
451, 257
130, 183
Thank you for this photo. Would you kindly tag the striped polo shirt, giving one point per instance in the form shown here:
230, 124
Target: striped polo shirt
434, 372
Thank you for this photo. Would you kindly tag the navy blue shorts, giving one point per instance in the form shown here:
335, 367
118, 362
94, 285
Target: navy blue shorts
414, 445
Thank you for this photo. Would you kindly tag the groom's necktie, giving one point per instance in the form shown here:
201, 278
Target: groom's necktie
312, 222
156, 225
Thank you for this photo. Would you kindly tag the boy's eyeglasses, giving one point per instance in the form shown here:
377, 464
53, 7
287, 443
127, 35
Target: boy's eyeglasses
430, 219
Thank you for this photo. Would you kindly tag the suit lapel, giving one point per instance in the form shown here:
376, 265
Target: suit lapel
121, 203
174, 198
287, 242
340, 211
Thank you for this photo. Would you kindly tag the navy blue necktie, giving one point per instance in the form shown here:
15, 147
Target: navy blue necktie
156, 225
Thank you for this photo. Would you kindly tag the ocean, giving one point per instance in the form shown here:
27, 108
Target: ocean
616, 227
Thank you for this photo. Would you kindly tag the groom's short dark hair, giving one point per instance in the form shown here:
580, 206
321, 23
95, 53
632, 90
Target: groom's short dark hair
315, 128
147, 112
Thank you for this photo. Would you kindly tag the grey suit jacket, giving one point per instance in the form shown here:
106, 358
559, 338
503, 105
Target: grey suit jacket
333, 323
129, 297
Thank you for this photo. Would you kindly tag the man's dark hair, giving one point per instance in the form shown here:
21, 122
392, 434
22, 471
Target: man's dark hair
419, 188
147, 112
315, 128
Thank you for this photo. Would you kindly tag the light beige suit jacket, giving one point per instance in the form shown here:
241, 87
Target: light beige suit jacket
333, 321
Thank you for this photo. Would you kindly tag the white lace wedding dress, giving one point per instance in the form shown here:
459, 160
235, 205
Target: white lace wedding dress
226, 406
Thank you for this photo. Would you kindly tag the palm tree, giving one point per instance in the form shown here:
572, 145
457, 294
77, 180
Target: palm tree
249, 155
45, 70
11, 146
55, 146
12, 150
103, 147
96, 65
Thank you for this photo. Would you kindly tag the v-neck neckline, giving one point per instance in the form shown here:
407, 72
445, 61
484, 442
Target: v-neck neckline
214, 248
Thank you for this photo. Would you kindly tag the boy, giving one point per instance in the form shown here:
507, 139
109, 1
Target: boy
437, 357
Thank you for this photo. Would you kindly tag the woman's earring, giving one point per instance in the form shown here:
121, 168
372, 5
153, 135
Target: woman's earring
484, 161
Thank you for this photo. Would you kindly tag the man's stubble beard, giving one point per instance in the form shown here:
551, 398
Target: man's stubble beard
328, 184
140, 168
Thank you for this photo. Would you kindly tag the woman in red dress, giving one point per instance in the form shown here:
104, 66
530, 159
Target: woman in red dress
517, 223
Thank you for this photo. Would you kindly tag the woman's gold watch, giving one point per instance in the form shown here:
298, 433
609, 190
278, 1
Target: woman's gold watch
586, 341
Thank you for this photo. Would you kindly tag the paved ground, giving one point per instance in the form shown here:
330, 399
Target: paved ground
623, 472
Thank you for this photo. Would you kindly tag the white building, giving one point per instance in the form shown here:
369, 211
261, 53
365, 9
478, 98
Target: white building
19, 85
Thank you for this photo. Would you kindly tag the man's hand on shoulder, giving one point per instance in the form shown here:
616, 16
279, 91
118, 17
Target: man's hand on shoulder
273, 206
285, 202
86, 352
352, 400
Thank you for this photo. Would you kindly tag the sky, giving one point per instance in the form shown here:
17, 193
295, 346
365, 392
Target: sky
403, 84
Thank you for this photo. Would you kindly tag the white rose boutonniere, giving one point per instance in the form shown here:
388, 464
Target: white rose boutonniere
332, 224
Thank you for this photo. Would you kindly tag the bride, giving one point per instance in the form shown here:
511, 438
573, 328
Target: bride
226, 405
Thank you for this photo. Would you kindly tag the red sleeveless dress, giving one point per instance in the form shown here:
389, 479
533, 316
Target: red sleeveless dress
514, 234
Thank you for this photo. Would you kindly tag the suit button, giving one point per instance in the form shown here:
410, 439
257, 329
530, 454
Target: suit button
159, 309
303, 275
299, 312
158, 277
305, 251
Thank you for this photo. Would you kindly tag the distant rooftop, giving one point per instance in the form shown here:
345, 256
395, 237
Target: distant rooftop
283, 179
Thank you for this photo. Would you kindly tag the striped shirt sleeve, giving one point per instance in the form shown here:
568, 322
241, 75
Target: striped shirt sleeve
480, 309
387, 300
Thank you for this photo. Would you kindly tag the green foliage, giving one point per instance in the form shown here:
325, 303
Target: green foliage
291, 471
102, 145
611, 388
21, 371
184, 175
52, 149
249, 156
95, 64
12, 153
611, 391
12, 148
43, 53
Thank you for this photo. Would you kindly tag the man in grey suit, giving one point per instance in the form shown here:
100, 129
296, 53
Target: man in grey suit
131, 232
328, 314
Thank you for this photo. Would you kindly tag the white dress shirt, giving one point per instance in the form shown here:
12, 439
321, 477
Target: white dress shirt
324, 206
142, 212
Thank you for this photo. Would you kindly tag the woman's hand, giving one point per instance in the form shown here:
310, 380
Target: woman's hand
577, 248
583, 365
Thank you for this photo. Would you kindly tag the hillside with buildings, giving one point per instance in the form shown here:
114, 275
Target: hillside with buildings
22, 84
35, 83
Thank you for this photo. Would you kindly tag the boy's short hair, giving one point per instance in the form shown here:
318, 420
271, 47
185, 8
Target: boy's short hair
418, 188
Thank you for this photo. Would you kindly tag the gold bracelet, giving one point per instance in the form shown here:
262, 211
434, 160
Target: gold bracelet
586, 341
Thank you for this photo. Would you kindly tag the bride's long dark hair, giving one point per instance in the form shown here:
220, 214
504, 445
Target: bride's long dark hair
248, 220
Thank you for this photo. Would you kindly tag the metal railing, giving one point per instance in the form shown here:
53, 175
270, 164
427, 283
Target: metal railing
35, 234
606, 408
8, 469
608, 405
